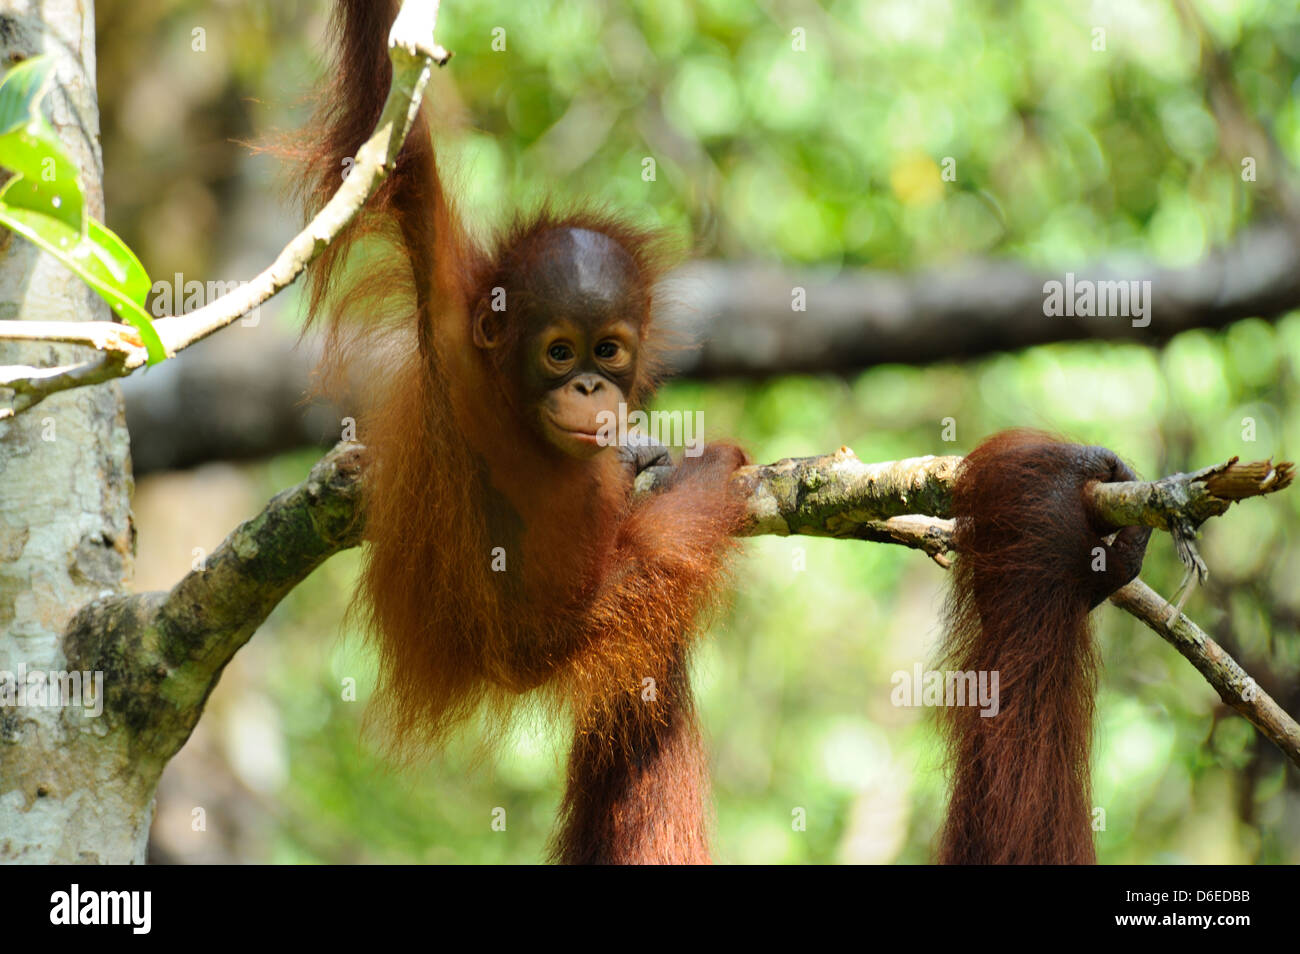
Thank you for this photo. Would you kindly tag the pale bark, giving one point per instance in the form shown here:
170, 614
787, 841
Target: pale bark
66, 782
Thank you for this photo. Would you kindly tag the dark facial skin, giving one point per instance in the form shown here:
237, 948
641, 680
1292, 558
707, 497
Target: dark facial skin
581, 309
578, 370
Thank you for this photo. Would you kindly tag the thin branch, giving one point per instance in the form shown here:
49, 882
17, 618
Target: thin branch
931, 535
1194, 497
1234, 685
30, 386
100, 335
211, 612
1180, 503
413, 51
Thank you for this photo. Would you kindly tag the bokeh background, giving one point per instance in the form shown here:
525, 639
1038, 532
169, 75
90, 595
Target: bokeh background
824, 157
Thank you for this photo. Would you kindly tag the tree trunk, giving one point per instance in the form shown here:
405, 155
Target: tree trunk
70, 789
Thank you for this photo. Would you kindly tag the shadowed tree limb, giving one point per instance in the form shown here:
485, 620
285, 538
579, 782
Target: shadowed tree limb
861, 318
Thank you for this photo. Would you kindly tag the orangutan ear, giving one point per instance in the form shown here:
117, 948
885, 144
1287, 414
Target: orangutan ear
486, 328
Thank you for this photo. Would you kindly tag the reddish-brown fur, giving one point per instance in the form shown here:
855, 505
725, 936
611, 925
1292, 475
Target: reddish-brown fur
1023, 586
595, 611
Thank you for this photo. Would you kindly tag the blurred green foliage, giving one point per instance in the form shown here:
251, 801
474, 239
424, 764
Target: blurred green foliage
830, 154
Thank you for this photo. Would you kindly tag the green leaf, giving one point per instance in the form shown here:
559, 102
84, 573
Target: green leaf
47, 181
21, 90
44, 203
100, 259
31, 148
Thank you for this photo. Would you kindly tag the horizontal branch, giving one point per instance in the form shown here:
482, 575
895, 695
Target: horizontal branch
169, 648
1195, 497
856, 319
836, 494
413, 52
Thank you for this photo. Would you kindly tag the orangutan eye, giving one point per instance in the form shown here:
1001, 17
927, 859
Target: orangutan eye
560, 352
606, 350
